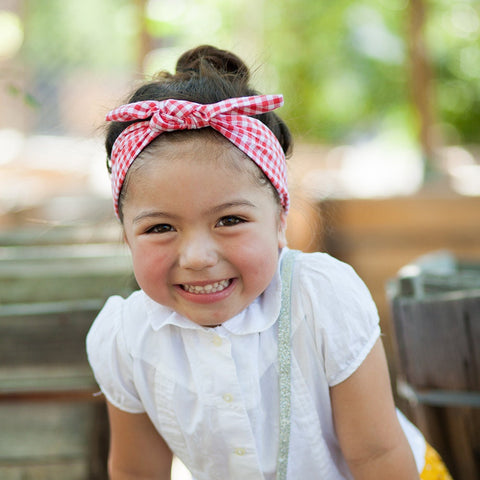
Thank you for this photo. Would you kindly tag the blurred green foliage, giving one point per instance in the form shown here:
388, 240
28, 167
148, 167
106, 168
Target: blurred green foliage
343, 65
98, 35
453, 33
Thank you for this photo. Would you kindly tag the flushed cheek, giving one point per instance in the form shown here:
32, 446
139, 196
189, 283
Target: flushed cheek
259, 270
151, 269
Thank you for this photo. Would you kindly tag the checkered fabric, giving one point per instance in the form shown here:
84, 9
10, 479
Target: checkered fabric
230, 117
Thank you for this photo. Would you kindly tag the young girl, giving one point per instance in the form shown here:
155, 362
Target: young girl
245, 359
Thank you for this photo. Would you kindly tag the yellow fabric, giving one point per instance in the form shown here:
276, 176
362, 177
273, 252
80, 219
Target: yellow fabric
434, 468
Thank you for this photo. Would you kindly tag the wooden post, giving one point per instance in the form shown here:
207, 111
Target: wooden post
145, 41
421, 80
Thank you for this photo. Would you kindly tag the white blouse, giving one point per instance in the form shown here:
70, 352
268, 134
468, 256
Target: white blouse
212, 393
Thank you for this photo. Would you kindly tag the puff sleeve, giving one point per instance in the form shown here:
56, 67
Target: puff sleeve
109, 358
340, 312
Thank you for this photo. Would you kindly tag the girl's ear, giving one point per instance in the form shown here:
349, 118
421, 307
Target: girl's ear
282, 228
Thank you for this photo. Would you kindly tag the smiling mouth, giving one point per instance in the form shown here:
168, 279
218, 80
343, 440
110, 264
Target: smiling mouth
209, 288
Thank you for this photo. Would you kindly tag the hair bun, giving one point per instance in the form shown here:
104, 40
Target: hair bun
207, 57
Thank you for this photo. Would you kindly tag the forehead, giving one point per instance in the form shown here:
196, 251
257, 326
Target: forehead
204, 146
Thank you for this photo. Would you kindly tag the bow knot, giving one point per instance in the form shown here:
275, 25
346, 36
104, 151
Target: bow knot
173, 118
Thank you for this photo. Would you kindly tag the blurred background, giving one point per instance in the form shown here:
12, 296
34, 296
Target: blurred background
382, 96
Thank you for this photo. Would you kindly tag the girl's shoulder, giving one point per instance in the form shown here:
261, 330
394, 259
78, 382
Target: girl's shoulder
109, 349
321, 269
115, 306
332, 305
326, 282
119, 318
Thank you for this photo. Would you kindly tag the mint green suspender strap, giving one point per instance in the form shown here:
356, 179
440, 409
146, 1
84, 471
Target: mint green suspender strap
284, 360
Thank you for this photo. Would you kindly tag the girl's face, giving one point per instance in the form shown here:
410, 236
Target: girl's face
204, 234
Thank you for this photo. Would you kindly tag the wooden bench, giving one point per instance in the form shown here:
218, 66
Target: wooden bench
53, 423
436, 316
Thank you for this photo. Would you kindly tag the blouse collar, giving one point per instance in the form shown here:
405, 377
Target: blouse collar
260, 315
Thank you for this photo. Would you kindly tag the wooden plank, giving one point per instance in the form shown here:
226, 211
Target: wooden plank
66, 470
472, 324
42, 348
45, 338
53, 440
63, 287
46, 273
38, 283
447, 215
463, 432
33, 379
44, 431
435, 341
55, 251
62, 235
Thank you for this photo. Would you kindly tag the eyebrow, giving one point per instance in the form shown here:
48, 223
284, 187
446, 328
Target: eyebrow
153, 214
216, 209
232, 204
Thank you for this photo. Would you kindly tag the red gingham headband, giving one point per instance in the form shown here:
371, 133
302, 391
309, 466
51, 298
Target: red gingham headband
229, 117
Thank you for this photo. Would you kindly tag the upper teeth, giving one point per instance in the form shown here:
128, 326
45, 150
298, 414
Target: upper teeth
210, 288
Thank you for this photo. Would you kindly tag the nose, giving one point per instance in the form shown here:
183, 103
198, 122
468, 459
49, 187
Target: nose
198, 252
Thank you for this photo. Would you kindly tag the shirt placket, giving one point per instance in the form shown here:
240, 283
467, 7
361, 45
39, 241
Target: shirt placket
226, 406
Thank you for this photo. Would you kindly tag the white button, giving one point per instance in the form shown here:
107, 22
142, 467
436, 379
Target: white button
228, 398
239, 451
217, 341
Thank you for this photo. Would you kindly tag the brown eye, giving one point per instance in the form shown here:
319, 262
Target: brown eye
229, 221
161, 228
